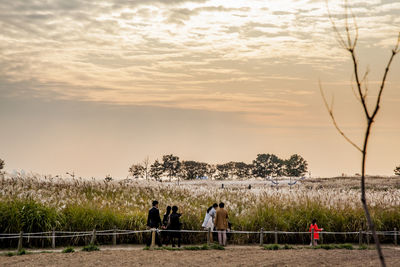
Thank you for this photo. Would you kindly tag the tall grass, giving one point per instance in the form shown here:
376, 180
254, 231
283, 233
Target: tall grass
34, 203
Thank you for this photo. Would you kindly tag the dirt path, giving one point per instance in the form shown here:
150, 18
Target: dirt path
236, 256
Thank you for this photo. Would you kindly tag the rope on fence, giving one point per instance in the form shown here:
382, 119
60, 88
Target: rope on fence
69, 234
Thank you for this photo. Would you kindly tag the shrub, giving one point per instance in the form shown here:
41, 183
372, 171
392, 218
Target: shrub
363, 247
21, 252
271, 247
90, 247
68, 250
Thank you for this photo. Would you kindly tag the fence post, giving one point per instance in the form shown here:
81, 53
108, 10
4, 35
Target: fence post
321, 238
360, 237
53, 238
276, 235
153, 237
93, 240
208, 236
367, 238
395, 236
262, 236
312, 237
20, 240
114, 239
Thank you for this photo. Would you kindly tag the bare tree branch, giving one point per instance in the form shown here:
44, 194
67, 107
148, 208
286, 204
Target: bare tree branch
353, 90
378, 100
330, 111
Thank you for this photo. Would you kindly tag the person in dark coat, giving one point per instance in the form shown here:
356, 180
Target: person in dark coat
165, 235
154, 221
175, 225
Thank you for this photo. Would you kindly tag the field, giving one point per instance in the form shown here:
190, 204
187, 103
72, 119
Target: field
232, 256
36, 203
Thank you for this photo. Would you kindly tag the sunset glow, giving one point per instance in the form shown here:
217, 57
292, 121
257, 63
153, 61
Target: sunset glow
94, 86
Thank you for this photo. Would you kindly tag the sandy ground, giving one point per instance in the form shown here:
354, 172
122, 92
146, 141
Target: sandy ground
232, 256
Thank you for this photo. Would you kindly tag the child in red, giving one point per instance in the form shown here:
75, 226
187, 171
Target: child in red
316, 230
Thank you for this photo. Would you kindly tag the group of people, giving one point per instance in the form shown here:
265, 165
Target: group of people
170, 221
216, 219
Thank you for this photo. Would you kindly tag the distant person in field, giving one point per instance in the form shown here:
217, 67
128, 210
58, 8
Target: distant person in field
316, 231
175, 225
208, 222
165, 235
221, 223
154, 221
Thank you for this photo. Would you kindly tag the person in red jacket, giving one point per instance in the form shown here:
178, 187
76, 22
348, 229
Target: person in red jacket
316, 230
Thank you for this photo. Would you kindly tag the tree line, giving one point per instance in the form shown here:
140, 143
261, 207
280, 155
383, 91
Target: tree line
265, 165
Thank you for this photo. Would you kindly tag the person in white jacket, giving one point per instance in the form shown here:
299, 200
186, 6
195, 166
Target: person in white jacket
208, 222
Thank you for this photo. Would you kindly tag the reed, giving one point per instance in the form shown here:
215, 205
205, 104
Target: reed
36, 203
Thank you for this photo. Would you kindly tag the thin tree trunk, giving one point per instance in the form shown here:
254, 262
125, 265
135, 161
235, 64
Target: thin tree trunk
371, 224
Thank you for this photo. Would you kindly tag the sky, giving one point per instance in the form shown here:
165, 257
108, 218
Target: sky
95, 86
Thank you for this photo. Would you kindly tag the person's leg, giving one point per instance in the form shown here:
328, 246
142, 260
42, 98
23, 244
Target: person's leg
148, 243
167, 239
173, 239
179, 240
220, 237
224, 237
211, 237
158, 239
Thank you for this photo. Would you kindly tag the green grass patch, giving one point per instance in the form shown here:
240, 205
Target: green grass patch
334, 246
286, 246
162, 248
277, 247
345, 246
203, 247
90, 247
363, 247
21, 252
10, 254
271, 247
68, 250
217, 247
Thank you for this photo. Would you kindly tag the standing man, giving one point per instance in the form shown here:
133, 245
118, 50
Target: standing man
154, 221
221, 223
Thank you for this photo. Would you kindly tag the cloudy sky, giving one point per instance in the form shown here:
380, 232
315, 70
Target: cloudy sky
94, 86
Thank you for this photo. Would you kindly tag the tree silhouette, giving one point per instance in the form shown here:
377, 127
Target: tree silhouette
156, 170
267, 165
397, 170
171, 165
137, 171
295, 166
349, 43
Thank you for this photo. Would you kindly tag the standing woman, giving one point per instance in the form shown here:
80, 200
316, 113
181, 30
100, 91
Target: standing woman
165, 235
208, 222
316, 230
175, 225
